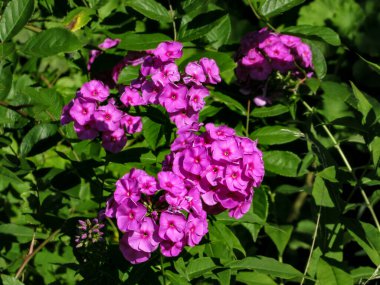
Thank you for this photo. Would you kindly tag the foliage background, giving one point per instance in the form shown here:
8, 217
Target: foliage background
313, 219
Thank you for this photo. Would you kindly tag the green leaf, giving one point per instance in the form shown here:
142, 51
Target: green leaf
375, 67
36, 134
150, 9
272, 135
324, 33
230, 103
22, 233
266, 265
8, 177
280, 235
14, 18
332, 275
10, 280
152, 132
321, 193
128, 74
5, 79
220, 232
51, 42
254, 278
78, 18
200, 25
284, 163
199, 266
220, 34
367, 236
329, 174
363, 105
272, 111
275, 7
141, 42
319, 61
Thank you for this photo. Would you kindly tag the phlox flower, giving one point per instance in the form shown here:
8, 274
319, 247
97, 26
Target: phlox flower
129, 215
95, 90
82, 110
130, 254
172, 226
145, 237
168, 51
211, 69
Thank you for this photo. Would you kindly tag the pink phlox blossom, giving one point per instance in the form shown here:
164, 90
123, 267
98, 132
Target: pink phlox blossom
211, 69
95, 90
167, 51
172, 226
145, 237
195, 74
129, 215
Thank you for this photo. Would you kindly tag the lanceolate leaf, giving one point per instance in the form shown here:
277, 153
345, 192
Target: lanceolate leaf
36, 134
14, 18
272, 135
284, 163
272, 111
50, 42
266, 265
332, 275
275, 7
150, 9
326, 34
139, 42
363, 105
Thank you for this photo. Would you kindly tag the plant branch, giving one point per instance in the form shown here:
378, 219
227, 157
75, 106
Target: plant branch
344, 158
248, 114
33, 28
29, 256
172, 15
162, 268
260, 17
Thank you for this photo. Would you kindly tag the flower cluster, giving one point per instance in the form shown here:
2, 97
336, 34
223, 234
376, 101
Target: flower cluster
90, 232
204, 174
264, 52
95, 112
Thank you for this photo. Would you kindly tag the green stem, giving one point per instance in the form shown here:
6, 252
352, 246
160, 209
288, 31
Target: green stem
172, 14
260, 17
248, 114
162, 268
33, 28
31, 255
344, 158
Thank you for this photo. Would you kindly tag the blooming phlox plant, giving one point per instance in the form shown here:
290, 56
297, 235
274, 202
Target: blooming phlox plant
264, 53
205, 173
96, 112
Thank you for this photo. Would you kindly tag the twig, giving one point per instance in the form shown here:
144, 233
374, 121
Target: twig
260, 17
33, 28
172, 14
162, 268
17, 109
31, 255
248, 114
344, 158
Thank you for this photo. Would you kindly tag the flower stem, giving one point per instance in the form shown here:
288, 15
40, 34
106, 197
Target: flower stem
162, 269
344, 158
248, 114
172, 14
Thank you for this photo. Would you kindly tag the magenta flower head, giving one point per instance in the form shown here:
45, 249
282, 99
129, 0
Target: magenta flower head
211, 69
168, 73
196, 228
145, 237
171, 183
196, 97
95, 90
131, 97
170, 248
130, 254
109, 43
172, 226
227, 151
114, 141
129, 215
132, 124
107, 118
195, 73
173, 97
88, 131
167, 51
82, 110
65, 117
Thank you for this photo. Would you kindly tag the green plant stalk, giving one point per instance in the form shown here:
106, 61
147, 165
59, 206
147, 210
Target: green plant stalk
248, 114
29, 256
261, 18
162, 269
172, 14
344, 158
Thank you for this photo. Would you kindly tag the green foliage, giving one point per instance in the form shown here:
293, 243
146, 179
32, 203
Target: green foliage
320, 139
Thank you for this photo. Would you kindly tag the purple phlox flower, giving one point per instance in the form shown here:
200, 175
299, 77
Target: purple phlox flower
88, 131
95, 90
184, 118
304, 53
253, 57
132, 124
226, 150
182, 141
65, 117
196, 96
260, 71
211, 69
261, 101
127, 188
89, 232
111, 208
267, 40
109, 43
213, 174
82, 110
233, 178
150, 92
219, 132
194, 230
107, 117
196, 160
114, 141
247, 145
168, 73
151, 65
171, 182
254, 167
281, 57
94, 53
131, 97
147, 184
172, 226
290, 41
168, 51
229, 199
192, 202
171, 249
130, 254
173, 97
145, 237
129, 215
241, 209
195, 73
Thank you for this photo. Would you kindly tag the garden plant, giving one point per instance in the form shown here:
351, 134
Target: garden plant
189, 142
